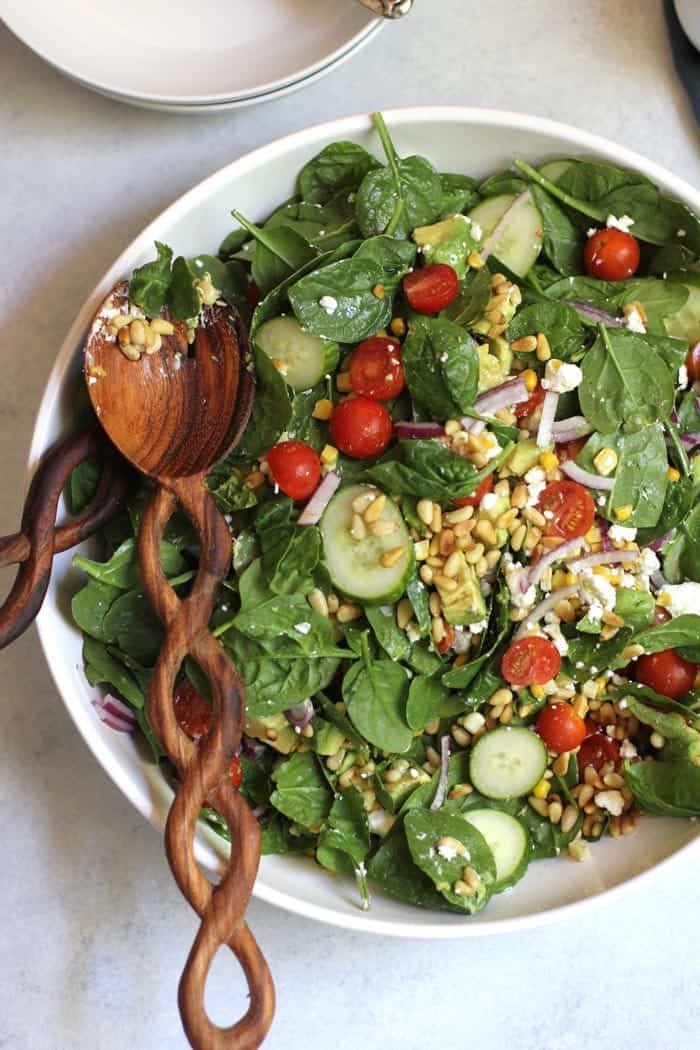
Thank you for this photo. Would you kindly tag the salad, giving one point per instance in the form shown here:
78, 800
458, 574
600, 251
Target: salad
465, 586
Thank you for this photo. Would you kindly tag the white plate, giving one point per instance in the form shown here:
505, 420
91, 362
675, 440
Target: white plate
456, 139
213, 51
200, 108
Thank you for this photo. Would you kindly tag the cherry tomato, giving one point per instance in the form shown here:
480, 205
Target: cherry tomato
666, 673
571, 508
560, 727
192, 710
431, 289
692, 363
477, 495
376, 370
570, 449
295, 467
530, 661
611, 255
596, 750
447, 641
361, 428
526, 408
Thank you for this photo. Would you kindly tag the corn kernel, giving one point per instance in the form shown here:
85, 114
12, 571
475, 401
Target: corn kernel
475, 260
329, 455
537, 691
323, 409
624, 513
398, 327
379, 291
672, 474
541, 790
549, 460
559, 579
605, 461
530, 377
593, 535
571, 579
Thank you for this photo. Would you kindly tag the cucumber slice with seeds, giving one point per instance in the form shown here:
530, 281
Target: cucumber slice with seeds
355, 565
304, 358
507, 762
507, 839
512, 229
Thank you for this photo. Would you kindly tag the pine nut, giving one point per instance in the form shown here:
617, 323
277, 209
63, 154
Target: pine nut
445, 583
342, 382
347, 613
447, 842
455, 517
426, 574
471, 877
532, 539
554, 812
560, 765
585, 794
504, 520
518, 537
461, 736
453, 564
132, 353
476, 554
464, 528
424, 509
119, 322
153, 342
382, 528
519, 497
501, 696
162, 327
492, 558
137, 333
437, 630
568, 819
361, 503
447, 541
506, 715
461, 889
374, 511
436, 523
317, 600
333, 603
613, 780
485, 531
358, 530
434, 604
481, 567
526, 345
543, 349
539, 805
392, 557
404, 613
533, 515
436, 563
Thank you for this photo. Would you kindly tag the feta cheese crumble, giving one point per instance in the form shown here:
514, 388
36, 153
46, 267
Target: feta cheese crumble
682, 377
561, 377
634, 323
597, 592
620, 534
681, 598
302, 628
328, 303
536, 482
623, 223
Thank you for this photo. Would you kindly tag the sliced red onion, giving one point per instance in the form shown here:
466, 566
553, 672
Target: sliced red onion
535, 574
406, 429
319, 501
657, 544
584, 477
512, 392
571, 429
691, 440
603, 558
543, 608
473, 426
441, 789
658, 580
605, 540
508, 217
592, 313
549, 410
114, 713
251, 747
300, 714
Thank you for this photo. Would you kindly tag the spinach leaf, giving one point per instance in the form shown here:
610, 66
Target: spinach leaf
382, 620
133, 626
301, 791
563, 242
682, 554
149, 283
342, 722
427, 470
688, 414
344, 840
229, 490
271, 410
396, 199
349, 284
559, 322
441, 363
498, 630
323, 226
459, 194
280, 252
472, 298
339, 166
635, 607
502, 182
641, 477
679, 500
424, 828
183, 299
680, 631
624, 382
670, 789
375, 696
302, 426
101, 668
426, 697
393, 869
122, 569
418, 597
290, 554
82, 485
671, 725
393, 256
90, 605
229, 277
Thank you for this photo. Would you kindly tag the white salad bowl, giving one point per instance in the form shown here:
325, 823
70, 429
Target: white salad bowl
472, 141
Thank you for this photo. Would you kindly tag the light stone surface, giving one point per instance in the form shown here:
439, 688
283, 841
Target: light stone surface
94, 932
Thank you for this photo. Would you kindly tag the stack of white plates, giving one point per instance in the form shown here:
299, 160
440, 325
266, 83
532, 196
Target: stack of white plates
187, 57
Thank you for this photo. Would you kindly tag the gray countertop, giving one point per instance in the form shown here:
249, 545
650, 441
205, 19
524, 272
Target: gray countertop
94, 932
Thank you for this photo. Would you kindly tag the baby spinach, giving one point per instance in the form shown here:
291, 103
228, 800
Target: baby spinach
301, 791
382, 620
502, 182
290, 553
82, 485
562, 242
624, 382
91, 604
423, 830
102, 668
229, 277
122, 569
418, 597
339, 166
358, 311
133, 626
680, 496
149, 283
344, 841
680, 631
426, 697
271, 410
669, 789
395, 258
426, 469
395, 199
230, 491
641, 477
280, 252
559, 322
472, 298
183, 299
688, 413
635, 607
441, 363
459, 194
375, 694
393, 869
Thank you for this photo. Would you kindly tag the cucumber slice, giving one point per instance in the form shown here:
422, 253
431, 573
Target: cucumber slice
507, 762
554, 169
512, 229
354, 565
686, 323
507, 839
306, 358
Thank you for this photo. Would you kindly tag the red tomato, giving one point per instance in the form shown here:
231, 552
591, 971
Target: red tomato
530, 661
448, 641
376, 370
666, 673
477, 495
560, 727
431, 289
295, 467
192, 710
611, 255
596, 750
692, 363
361, 428
570, 449
571, 508
526, 408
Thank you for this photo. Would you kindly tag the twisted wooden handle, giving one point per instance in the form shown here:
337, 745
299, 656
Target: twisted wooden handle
204, 769
39, 539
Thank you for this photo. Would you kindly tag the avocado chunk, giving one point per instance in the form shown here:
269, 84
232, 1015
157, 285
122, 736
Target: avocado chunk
466, 603
275, 731
495, 359
449, 241
391, 794
524, 456
327, 738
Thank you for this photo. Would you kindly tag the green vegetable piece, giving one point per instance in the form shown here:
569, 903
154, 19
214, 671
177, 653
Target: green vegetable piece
280, 251
183, 298
339, 166
301, 791
524, 456
449, 241
304, 359
375, 696
149, 283
344, 840
559, 322
103, 668
393, 256
275, 731
641, 477
122, 569
392, 795
466, 604
271, 410
392, 867
670, 789
427, 470
91, 604
340, 301
382, 620
635, 607
441, 364
444, 867
426, 696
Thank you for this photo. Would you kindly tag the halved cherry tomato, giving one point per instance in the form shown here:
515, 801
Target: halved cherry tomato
295, 467
432, 288
193, 714
570, 449
560, 727
569, 509
611, 255
530, 661
477, 495
376, 370
526, 408
692, 364
596, 750
361, 428
448, 639
666, 673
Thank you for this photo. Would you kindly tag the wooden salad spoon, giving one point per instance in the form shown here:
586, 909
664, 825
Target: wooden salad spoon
173, 413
